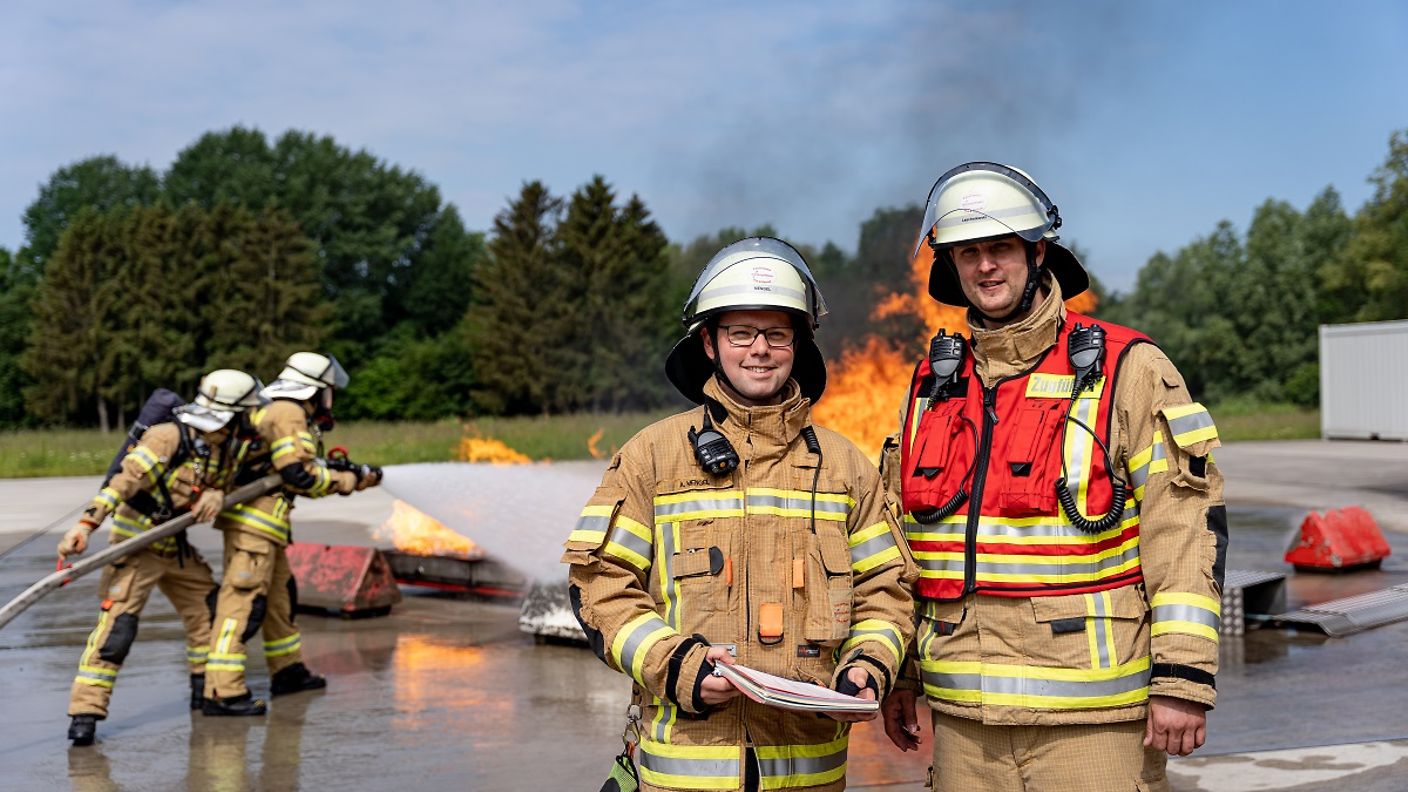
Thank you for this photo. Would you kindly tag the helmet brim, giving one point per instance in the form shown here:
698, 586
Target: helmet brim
1063, 264
203, 418
688, 367
289, 389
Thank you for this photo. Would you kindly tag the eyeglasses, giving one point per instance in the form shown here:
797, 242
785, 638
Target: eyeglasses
745, 335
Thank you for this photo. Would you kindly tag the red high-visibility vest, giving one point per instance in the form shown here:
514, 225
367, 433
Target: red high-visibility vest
1004, 446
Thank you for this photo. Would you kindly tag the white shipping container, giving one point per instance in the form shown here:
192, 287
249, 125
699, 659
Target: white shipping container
1364, 381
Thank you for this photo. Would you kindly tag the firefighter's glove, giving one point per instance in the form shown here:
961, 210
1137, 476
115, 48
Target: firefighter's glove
75, 540
208, 505
856, 682
367, 476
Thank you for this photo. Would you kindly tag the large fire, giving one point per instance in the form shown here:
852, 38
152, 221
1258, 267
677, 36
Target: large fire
411, 530
865, 389
487, 449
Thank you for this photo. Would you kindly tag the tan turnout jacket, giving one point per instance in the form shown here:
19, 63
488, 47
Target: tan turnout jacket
1006, 660
667, 560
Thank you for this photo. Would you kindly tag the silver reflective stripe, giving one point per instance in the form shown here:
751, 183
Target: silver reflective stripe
1027, 686
778, 502
637, 637
630, 541
663, 719
993, 531
801, 765
688, 767
1101, 625
668, 584
859, 634
1186, 613
1190, 423
1140, 475
98, 675
594, 524
1076, 566
866, 549
728, 503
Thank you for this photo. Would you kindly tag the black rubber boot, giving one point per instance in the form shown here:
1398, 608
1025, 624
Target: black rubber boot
197, 691
236, 706
296, 679
82, 729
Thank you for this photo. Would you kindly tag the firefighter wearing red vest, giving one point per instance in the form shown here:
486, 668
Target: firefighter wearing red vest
176, 466
257, 589
738, 531
1061, 500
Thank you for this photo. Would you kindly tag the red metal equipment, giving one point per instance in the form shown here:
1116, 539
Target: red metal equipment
353, 581
1341, 540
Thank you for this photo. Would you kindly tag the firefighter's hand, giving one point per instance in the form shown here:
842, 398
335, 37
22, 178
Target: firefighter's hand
901, 723
75, 541
860, 679
208, 505
1175, 726
368, 476
715, 689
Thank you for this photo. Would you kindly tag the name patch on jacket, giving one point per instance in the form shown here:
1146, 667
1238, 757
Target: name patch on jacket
1058, 386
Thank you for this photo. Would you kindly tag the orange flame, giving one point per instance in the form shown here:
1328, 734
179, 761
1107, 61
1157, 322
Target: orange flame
866, 387
411, 530
487, 449
596, 453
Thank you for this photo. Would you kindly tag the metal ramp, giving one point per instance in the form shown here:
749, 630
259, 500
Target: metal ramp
1248, 591
1350, 615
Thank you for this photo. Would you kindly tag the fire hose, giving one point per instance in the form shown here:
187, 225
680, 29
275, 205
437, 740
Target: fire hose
125, 548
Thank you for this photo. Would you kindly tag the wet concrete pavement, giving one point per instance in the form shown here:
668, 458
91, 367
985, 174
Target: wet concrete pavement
446, 691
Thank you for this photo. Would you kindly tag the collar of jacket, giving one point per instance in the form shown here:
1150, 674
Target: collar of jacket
778, 423
1015, 347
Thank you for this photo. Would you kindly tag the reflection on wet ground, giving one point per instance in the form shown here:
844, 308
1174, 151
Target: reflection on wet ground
448, 692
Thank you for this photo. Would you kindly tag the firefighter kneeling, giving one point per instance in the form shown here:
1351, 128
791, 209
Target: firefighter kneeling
740, 532
257, 589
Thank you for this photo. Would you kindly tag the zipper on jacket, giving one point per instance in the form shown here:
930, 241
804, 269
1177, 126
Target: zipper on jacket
975, 499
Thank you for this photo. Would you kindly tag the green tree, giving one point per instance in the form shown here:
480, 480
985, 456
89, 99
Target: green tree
376, 228
1376, 257
17, 287
1324, 232
518, 312
96, 183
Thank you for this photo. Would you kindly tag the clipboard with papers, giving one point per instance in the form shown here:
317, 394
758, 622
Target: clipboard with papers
789, 694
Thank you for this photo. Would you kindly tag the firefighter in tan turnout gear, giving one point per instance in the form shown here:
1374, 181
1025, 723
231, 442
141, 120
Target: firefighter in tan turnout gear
257, 589
739, 532
176, 466
1063, 506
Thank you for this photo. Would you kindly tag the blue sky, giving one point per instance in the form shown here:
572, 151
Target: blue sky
1146, 122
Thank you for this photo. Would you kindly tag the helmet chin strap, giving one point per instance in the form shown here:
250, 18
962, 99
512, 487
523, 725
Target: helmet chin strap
1028, 291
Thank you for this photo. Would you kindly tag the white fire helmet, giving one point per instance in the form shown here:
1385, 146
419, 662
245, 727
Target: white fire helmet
305, 374
978, 201
221, 395
752, 274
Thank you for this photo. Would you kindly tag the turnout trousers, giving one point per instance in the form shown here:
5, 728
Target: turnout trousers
125, 587
1105, 757
256, 595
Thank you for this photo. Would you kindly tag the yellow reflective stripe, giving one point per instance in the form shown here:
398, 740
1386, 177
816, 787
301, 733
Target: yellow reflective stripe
1004, 577
878, 631
196, 655
108, 497
871, 547
1183, 598
283, 646
1037, 687
1070, 535
586, 536
283, 448
95, 676
788, 766
258, 520
694, 767
1185, 627
146, 460
305, 439
1047, 560
92, 646
635, 640
1182, 612
698, 505
619, 546
1189, 424
833, 507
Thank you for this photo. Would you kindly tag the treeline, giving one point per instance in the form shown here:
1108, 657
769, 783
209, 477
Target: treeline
246, 249
1239, 314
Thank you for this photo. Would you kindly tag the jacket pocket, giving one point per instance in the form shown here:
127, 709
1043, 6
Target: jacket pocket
1032, 460
1099, 630
938, 621
940, 454
827, 587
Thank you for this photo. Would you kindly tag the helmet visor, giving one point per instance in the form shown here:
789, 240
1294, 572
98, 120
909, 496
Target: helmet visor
763, 247
332, 374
